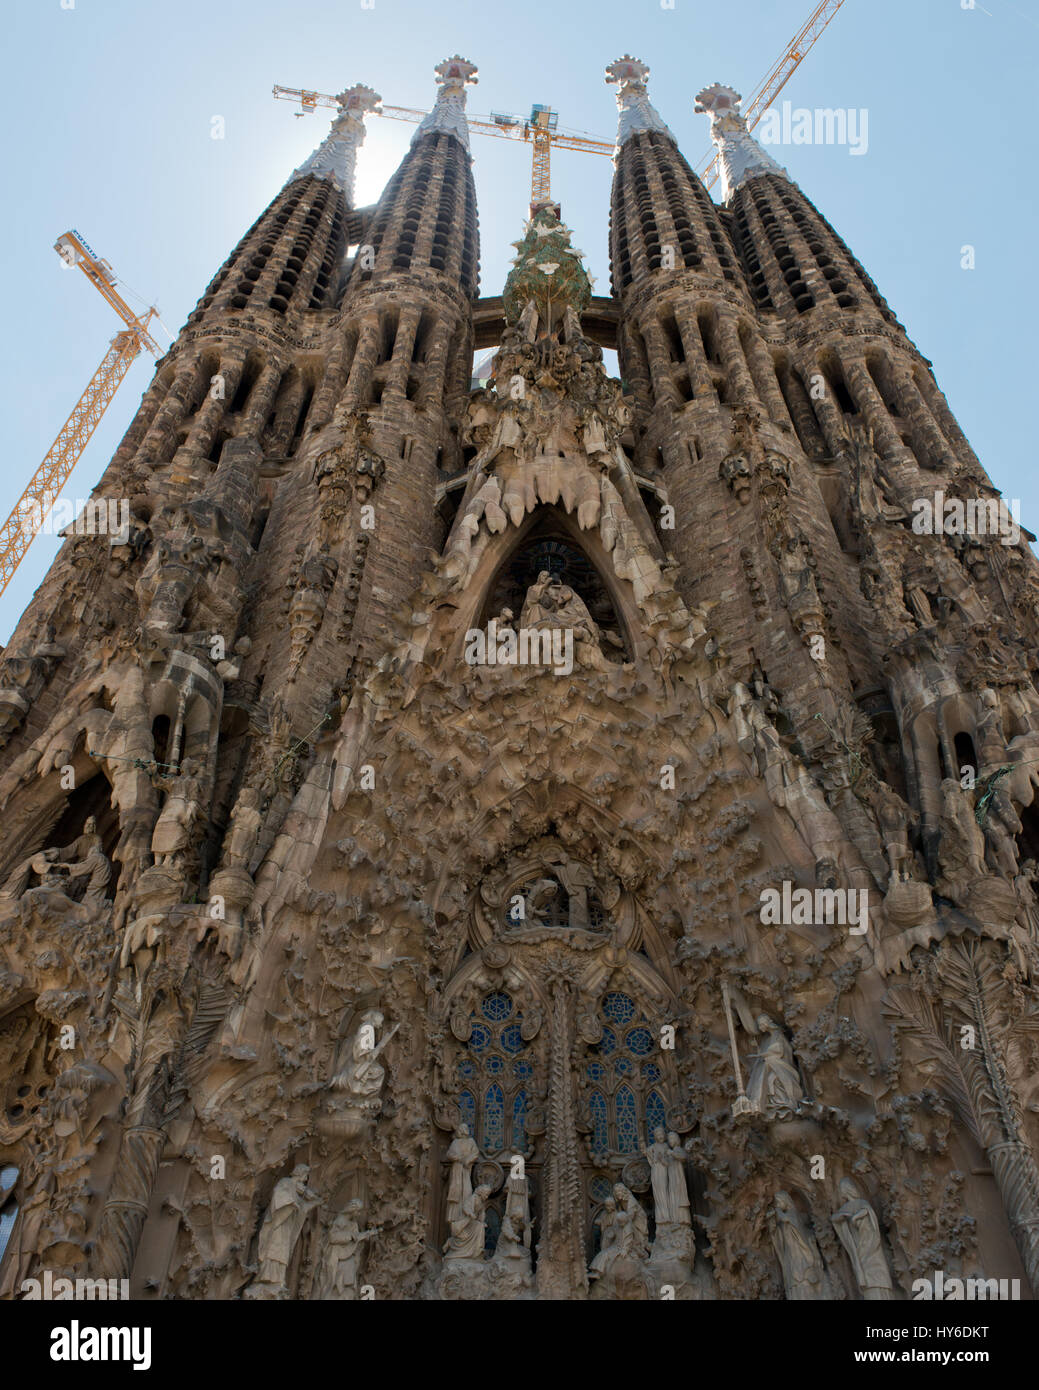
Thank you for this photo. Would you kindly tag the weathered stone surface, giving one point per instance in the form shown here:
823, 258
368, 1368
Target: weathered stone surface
569, 839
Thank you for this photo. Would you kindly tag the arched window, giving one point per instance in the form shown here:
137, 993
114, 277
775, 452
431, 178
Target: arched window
626, 1095
494, 1073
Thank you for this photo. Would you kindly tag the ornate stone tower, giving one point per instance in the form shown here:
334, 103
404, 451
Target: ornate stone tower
554, 840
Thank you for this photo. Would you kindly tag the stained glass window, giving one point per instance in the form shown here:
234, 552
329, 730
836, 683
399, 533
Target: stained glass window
656, 1113
626, 1101
618, 1007
493, 1119
519, 1121
495, 1069
600, 1123
496, 1007
627, 1121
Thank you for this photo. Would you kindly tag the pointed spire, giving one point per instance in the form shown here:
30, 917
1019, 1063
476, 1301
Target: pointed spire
448, 114
740, 157
336, 157
636, 110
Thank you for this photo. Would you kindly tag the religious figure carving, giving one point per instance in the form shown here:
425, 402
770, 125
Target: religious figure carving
462, 1154
859, 1230
361, 1075
961, 850
551, 604
63, 870
667, 1175
468, 1226
340, 1259
513, 1248
174, 834
291, 1203
893, 816
244, 830
625, 1238
774, 1085
803, 1273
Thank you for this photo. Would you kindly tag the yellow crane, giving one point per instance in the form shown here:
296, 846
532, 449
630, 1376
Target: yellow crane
21, 527
541, 128
778, 76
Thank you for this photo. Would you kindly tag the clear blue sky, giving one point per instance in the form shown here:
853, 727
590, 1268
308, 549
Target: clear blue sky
108, 113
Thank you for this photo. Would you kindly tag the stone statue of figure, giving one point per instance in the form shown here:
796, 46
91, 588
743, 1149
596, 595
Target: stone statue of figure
340, 1258
961, 850
513, 1247
893, 816
859, 1230
803, 1274
551, 603
774, 1086
625, 1232
468, 1226
173, 834
362, 1075
462, 1154
244, 831
85, 857
667, 1173
291, 1203
59, 869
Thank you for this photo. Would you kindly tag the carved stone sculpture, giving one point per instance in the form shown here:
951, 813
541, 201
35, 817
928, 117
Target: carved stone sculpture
804, 1276
291, 1203
859, 1230
774, 1084
341, 1256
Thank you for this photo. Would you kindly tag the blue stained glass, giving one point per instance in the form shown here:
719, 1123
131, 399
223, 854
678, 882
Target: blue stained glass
467, 1067
493, 1119
519, 1121
512, 1038
596, 1071
623, 1066
656, 1114
600, 1189
619, 1007
523, 1069
600, 1123
496, 1007
627, 1122
480, 1037
651, 1071
607, 1043
494, 1064
639, 1041
467, 1109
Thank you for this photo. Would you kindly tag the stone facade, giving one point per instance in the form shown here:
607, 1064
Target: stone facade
570, 839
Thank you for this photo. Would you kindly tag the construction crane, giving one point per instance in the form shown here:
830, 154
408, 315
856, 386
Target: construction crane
21, 527
778, 76
541, 128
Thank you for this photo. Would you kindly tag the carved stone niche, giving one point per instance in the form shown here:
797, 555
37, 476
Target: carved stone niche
548, 894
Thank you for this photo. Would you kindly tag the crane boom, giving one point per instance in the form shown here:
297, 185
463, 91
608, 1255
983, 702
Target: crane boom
778, 76
21, 527
539, 128
19, 530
